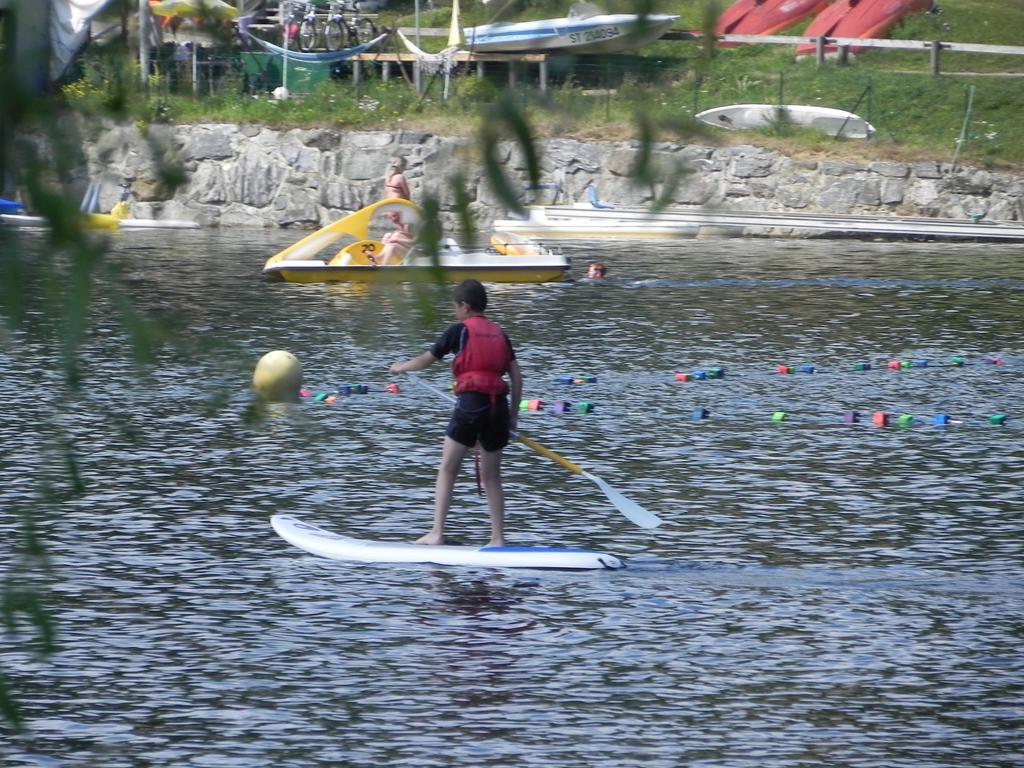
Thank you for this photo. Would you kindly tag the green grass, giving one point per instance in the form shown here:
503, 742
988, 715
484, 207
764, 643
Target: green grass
666, 83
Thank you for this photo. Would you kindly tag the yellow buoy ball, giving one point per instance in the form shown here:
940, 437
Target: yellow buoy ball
278, 377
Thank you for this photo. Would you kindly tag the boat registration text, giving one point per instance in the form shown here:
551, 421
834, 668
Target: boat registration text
590, 35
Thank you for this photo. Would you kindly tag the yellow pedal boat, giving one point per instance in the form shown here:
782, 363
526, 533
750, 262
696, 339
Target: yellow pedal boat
347, 251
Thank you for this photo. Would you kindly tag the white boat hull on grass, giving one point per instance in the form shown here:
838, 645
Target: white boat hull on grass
317, 541
831, 122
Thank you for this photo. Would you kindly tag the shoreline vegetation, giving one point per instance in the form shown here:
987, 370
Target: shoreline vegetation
966, 114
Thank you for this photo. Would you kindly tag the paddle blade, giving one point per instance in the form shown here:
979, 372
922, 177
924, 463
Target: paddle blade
633, 511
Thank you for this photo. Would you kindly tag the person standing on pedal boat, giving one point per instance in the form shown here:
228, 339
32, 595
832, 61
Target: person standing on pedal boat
395, 184
483, 356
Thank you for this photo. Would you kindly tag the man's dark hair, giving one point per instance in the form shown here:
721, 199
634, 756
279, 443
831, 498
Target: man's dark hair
472, 292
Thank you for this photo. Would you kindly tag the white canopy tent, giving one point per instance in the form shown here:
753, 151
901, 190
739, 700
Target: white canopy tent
69, 29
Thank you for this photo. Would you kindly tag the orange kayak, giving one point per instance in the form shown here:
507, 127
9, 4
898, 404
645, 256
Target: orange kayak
858, 18
765, 17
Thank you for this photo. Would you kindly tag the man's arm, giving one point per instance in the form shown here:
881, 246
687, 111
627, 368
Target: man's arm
417, 363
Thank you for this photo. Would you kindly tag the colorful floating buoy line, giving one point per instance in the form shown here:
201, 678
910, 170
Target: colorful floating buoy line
877, 418
525, 406
344, 390
720, 372
808, 368
561, 406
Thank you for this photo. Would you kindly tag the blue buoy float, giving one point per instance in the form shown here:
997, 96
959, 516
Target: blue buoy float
578, 378
353, 389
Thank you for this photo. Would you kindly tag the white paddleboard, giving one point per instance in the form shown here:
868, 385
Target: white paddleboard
158, 224
317, 541
23, 220
743, 117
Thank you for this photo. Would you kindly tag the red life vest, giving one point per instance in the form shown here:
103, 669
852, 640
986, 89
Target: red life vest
479, 366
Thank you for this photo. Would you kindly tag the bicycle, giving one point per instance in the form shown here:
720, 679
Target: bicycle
357, 31
291, 20
308, 31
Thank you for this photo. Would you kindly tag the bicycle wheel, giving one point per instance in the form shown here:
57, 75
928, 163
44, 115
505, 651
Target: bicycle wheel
361, 31
334, 35
307, 35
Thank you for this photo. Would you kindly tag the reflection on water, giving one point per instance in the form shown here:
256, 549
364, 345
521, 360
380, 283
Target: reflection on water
821, 592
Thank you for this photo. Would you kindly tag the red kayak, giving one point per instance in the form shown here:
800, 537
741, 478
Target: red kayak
858, 18
765, 17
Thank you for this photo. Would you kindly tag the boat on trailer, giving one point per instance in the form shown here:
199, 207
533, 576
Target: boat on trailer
585, 30
349, 251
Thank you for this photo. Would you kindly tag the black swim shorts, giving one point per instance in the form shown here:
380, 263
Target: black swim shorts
479, 418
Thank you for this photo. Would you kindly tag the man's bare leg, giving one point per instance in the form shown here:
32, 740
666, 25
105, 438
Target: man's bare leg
451, 459
490, 475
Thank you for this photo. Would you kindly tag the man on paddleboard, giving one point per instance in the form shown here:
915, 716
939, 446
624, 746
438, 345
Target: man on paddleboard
483, 355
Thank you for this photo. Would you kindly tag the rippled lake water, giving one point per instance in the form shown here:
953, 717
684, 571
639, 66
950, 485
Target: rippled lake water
821, 593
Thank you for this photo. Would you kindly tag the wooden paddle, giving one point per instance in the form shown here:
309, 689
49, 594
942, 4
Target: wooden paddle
630, 509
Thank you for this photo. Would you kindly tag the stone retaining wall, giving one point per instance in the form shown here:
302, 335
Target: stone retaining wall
254, 176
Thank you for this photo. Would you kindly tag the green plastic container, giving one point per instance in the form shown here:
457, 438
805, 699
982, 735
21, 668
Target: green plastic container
268, 70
